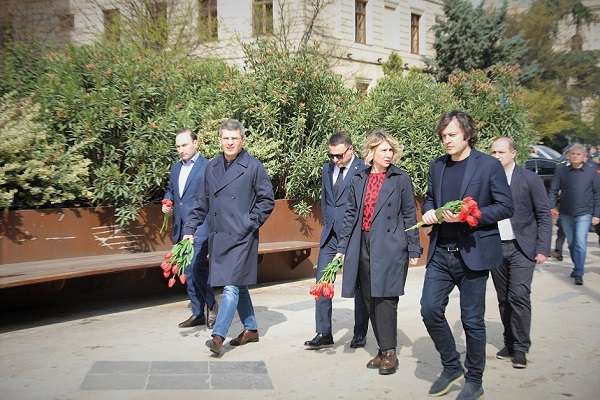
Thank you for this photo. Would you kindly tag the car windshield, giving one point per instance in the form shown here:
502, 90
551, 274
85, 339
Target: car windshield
546, 152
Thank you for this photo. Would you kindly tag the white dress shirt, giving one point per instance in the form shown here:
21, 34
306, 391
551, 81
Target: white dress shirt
184, 173
336, 169
504, 226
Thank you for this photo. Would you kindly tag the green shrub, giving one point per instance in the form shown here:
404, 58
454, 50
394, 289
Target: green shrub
36, 170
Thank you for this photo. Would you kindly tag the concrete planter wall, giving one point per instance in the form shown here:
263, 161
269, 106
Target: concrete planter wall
33, 235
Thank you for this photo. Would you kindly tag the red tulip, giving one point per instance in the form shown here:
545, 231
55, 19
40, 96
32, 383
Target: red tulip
166, 274
476, 213
472, 221
174, 268
165, 266
168, 256
171, 282
182, 279
328, 290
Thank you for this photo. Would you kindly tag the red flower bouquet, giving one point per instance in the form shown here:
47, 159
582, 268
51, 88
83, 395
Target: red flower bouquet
324, 287
467, 210
166, 216
176, 261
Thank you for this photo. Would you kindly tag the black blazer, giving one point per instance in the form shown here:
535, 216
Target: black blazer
334, 207
531, 220
485, 181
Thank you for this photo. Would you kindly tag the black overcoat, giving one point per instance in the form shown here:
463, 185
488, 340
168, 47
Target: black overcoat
390, 245
236, 202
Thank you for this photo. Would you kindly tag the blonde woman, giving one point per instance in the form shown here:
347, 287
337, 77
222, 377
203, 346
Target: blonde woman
374, 245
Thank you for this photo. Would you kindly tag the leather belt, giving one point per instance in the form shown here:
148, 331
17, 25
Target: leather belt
450, 248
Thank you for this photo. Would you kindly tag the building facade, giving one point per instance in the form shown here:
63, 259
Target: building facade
357, 35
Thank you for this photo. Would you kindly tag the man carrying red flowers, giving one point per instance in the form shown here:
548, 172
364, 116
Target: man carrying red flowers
179, 199
459, 254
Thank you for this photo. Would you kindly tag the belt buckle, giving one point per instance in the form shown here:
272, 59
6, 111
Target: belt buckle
451, 249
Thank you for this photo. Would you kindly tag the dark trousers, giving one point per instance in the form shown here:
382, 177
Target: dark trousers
512, 280
560, 237
323, 307
444, 271
383, 311
198, 290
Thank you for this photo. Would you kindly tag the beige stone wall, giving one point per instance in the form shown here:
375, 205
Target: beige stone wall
38, 20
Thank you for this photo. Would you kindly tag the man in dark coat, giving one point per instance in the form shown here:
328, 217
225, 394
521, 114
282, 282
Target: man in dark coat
182, 189
526, 240
335, 179
459, 255
236, 198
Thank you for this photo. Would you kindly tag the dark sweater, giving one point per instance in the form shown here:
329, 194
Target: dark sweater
451, 182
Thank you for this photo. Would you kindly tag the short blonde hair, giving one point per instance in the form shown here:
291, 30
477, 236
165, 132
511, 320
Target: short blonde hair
374, 139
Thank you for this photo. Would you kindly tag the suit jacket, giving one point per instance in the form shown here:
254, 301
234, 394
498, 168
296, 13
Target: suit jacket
531, 220
390, 245
485, 181
333, 206
235, 202
183, 205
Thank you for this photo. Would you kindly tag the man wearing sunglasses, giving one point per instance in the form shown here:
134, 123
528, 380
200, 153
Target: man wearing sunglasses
336, 177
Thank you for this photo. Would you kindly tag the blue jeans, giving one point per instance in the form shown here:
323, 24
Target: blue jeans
576, 229
234, 298
444, 271
198, 290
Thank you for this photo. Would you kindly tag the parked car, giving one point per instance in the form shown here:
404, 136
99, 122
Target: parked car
541, 151
544, 167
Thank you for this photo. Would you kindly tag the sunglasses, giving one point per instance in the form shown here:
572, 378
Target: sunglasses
338, 156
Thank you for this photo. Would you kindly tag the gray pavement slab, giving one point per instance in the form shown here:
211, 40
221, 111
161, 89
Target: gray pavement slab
142, 354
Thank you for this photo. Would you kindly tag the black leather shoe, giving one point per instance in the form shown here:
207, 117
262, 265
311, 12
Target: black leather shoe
192, 321
504, 354
358, 341
579, 280
320, 341
471, 391
212, 315
519, 360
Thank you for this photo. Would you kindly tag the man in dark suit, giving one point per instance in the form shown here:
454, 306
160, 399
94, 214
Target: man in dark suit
526, 240
459, 255
335, 179
236, 198
182, 189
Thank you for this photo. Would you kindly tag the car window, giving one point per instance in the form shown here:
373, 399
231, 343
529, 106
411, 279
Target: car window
546, 167
530, 165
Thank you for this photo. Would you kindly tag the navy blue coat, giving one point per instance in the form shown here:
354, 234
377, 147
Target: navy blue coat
334, 207
531, 220
485, 181
235, 202
390, 245
184, 204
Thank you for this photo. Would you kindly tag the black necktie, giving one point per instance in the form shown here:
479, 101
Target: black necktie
338, 181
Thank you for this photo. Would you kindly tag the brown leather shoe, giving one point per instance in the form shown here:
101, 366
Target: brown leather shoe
389, 362
245, 337
375, 362
192, 321
215, 344
212, 315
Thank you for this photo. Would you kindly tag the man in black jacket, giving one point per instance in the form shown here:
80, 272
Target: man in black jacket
526, 240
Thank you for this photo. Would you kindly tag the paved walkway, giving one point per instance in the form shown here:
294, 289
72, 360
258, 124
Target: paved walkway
141, 354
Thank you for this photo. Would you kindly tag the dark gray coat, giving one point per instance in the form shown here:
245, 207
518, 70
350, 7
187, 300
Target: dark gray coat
236, 202
390, 245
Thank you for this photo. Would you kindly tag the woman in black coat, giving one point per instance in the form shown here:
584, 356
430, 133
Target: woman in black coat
375, 248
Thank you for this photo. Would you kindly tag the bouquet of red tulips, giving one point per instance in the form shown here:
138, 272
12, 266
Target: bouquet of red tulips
467, 210
166, 216
176, 261
324, 287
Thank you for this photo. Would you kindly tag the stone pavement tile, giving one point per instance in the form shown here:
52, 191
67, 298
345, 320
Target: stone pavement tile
114, 382
301, 305
237, 381
120, 367
178, 367
237, 367
178, 382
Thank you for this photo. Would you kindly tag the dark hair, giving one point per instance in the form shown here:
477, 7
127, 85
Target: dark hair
465, 122
232, 125
192, 134
340, 138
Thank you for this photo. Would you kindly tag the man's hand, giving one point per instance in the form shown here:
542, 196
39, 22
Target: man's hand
188, 237
595, 221
429, 217
554, 212
450, 216
166, 209
339, 256
540, 259
413, 261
